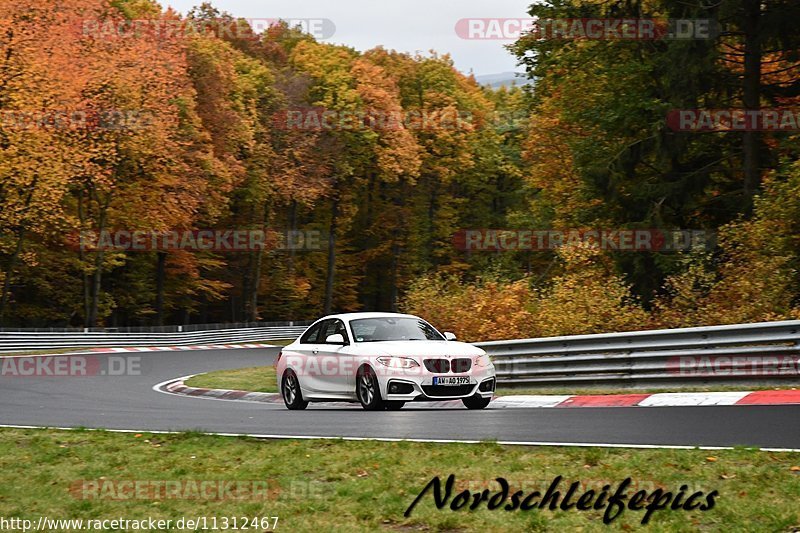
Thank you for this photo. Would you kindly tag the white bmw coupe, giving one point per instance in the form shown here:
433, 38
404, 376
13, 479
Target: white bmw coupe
382, 360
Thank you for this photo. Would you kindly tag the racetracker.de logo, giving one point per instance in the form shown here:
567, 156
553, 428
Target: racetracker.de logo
624, 240
512, 29
224, 28
170, 489
70, 366
735, 365
707, 120
197, 240
325, 365
76, 119
321, 119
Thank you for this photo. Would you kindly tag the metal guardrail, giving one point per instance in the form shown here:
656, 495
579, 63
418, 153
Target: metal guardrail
20, 341
159, 329
765, 353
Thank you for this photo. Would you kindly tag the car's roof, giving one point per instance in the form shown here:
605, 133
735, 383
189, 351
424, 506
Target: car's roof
354, 316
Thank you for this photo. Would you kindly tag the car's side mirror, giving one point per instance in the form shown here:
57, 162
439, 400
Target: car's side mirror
336, 338
449, 336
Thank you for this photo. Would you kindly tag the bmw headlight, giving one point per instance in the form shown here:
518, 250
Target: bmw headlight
483, 361
398, 362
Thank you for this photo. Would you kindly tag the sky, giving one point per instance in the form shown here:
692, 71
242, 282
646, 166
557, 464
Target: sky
403, 25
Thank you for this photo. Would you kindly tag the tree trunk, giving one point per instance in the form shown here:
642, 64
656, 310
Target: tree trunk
393, 281
12, 264
95, 286
255, 278
12, 261
247, 284
751, 97
292, 229
329, 278
160, 278
82, 258
97, 276
253, 306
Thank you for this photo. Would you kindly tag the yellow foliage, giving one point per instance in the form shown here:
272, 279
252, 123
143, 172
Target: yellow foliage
485, 310
756, 280
586, 298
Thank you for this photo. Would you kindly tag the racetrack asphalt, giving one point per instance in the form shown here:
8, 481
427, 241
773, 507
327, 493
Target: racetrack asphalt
129, 402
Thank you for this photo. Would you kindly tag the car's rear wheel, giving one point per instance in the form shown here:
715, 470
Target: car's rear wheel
476, 401
367, 389
290, 390
394, 405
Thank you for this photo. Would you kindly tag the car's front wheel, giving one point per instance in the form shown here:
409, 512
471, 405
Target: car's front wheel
290, 390
476, 401
367, 389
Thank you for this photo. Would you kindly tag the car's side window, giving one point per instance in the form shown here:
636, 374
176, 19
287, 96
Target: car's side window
332, 328
312, 335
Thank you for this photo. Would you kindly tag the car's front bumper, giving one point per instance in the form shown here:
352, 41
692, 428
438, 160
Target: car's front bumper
399, 385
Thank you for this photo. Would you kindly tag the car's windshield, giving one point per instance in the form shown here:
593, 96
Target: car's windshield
393, 329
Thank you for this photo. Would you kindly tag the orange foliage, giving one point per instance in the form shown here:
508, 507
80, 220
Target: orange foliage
486, 310
586, 298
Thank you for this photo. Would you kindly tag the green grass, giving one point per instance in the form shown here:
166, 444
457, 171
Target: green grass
274, 342
281, 342
254, 379
366, 486
262, 379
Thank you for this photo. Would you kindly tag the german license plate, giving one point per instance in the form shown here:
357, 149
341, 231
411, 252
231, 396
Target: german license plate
450, 381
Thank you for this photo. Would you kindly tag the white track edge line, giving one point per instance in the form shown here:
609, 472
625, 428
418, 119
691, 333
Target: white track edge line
398, 439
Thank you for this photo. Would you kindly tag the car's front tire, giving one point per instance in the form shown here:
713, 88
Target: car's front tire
290, 390
476, 401
367, 389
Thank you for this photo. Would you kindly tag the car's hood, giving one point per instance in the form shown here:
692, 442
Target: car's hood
417, 348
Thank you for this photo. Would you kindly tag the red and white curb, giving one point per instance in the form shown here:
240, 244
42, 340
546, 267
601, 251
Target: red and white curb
668, 399
177, 386
180, 348
143, 349
665, 399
